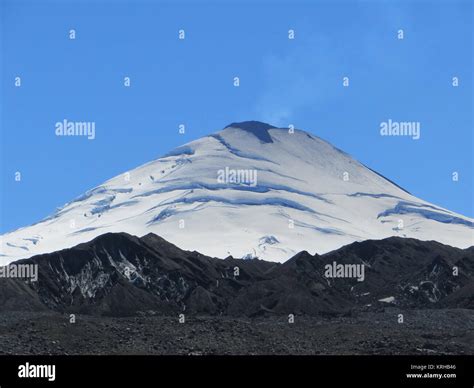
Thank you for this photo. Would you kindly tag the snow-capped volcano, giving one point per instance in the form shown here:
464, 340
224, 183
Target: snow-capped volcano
250, 190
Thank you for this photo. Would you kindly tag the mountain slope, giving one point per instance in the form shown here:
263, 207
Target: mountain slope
250, 190
120, 274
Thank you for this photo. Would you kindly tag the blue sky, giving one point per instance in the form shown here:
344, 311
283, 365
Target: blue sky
190, 81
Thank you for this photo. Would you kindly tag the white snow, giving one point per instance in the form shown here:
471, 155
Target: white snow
301, 201
390, 299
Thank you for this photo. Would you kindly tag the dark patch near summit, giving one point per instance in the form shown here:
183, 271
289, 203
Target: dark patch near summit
256, 128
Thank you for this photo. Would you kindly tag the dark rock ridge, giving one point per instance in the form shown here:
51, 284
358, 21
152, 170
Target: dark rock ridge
118, 274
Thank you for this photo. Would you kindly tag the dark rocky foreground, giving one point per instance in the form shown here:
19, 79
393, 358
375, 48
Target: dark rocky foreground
430, 332
128, 292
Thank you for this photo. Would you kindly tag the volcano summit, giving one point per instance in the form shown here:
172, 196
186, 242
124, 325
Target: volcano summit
309, 196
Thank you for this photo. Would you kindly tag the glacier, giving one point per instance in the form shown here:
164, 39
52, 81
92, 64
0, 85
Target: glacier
309, 196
